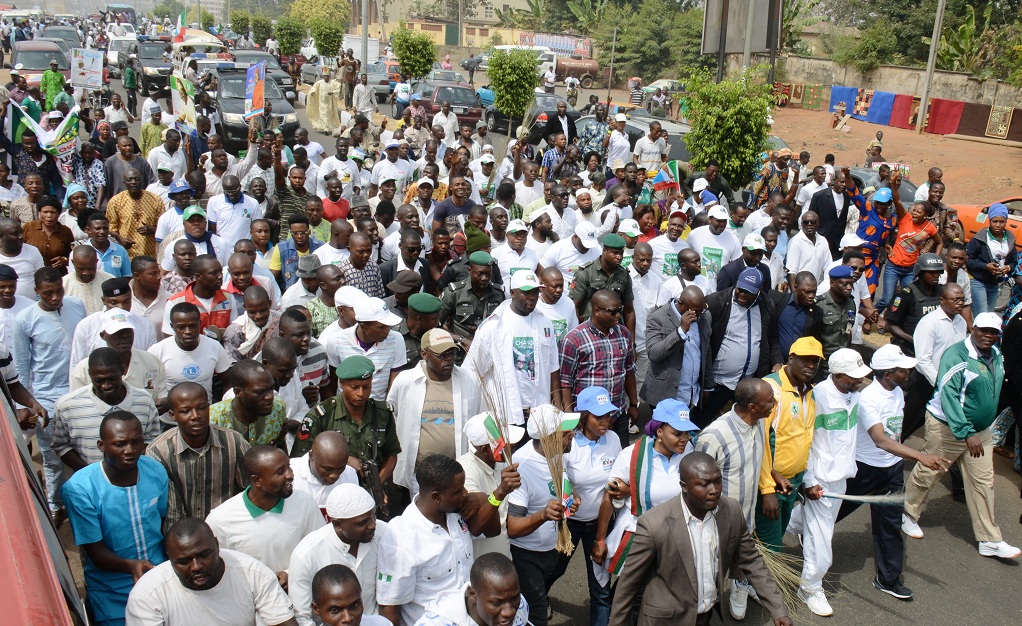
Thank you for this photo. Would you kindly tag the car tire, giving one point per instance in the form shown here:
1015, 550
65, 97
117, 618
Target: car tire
491, 122
587, 82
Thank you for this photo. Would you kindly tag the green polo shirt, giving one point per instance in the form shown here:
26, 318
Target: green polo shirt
332, 415
591, 278
255, 511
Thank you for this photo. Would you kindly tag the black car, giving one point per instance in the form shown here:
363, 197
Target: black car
230, 102
67, 33
273, 70
543, 108
152, 64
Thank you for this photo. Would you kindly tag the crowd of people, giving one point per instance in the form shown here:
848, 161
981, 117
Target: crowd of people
304, 387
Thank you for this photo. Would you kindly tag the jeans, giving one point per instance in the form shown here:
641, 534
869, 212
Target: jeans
535, 578
599, 597
885, 520
53, 467
399, 108
896, 277
984, 296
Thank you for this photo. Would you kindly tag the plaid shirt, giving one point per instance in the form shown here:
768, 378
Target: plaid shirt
590, 358
550, 159
367, 279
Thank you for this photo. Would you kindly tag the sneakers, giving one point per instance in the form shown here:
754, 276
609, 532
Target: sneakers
999, 549
739, 601
816, 601
910, 528
897, 590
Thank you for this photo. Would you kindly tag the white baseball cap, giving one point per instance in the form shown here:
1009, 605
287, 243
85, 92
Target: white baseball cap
375, 310
116, 321
700, 185
718, 213
890, 357
425, 181
487, 158
348, 296
630, 228
586, 232
987, 320
848, 361
620, 117
477, 434
851, 240
754, 242
393, 143
517, 226
526, 280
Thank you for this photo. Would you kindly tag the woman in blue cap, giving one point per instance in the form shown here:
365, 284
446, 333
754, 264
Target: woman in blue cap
992, 258
644, 475
876, 221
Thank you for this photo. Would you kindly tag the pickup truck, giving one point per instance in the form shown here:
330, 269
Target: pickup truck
153, 64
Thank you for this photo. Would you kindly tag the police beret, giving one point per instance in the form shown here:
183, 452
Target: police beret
613, 240
355, 368
480, 258
424, 303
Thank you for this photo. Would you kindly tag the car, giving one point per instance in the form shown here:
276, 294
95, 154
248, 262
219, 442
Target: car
463, 100
445, 75
273, 70
485, 95
543, 108
32, 58
67, 33
637, 127
974, 217
230, 104
115, 47
60, 44
393, 69
152, 65
376, 75
667, 84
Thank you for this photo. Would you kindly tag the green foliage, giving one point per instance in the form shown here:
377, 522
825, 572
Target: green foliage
305, 11
289, 33
653, 41
588, 13
448, 10
728, 122
262, 28
496, 40
241, 22
208, 19
796, 17
415, 51
169, 8
533, 18
329, 36
877, 46
967, 48
1009, 62
513, 78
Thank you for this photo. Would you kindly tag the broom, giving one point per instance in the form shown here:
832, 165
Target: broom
553, 449
786, 570
495, 404
887, 499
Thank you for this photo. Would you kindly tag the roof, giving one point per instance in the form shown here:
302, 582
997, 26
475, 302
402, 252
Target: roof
37, 44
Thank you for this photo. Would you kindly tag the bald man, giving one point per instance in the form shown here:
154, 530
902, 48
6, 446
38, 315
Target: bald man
86, 281
699, 531
230, 214
324, 467
335, 249
245, 336
240, 274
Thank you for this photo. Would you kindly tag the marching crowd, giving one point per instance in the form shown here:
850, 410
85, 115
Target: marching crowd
303, 387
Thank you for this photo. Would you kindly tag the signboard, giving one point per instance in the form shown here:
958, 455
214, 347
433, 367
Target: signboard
737, 21
562, 45
183, 95
255, 84
86, 69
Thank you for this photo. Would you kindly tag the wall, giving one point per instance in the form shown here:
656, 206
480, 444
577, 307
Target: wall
904, 80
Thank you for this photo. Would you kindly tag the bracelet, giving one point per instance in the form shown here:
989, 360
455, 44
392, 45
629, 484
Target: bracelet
493, 500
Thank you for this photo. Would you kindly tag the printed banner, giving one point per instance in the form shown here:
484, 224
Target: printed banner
184, 104
255, 85
61, 142
564, 45
86, 68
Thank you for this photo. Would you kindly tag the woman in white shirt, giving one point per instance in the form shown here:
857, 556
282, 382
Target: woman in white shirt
645, 474
616, 142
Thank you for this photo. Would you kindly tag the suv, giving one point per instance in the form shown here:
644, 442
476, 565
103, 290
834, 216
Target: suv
229, 101
32, 58
464, 102
273, 70
152, 66
67, 33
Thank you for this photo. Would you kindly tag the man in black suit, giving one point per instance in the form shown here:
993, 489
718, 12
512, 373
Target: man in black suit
833, 206
753, 249
678, 325
564, 123
671, 565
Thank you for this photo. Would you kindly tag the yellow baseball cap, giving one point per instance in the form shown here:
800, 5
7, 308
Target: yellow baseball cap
807, 346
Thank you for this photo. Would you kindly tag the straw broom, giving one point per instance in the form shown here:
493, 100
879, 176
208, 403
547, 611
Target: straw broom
553, 450
786, 570
495, 405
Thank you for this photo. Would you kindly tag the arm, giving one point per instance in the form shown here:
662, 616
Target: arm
885, 443
630, 319
922, 341
279, 174
899, 208
480, 515
105, 559
391, 612
642, 558
387, 468
520, 524
72, 459
951, 382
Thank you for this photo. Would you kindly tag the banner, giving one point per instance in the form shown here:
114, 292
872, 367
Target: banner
183, 92
61, 142
255, 85
563, 45
87, 69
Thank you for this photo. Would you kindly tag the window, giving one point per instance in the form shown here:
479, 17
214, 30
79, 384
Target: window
436, 28
488, 10
484, 32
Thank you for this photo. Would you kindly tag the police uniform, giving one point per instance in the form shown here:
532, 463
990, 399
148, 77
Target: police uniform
591, 278
377, 421
463, 311
836, 330
457, 270
425, 304
908, 307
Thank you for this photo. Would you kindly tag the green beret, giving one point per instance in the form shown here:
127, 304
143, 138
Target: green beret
480, 258
475, 239
613, 240
424, 303
355, 368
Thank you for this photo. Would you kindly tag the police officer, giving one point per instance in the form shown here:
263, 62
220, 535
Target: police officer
367, 424
465, 304
913, 302
423, 315
604, 273
838, 309
457, 270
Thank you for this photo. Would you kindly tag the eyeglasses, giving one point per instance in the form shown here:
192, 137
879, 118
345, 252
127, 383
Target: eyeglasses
446, 355
956, 300
615, 312
809, 222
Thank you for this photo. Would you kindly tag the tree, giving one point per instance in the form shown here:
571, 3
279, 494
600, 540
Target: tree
448, 10
877, 46
289, 33
169, 8
513, 79
967, 48
796, 17
728, 122
208, 19
262, 28
241, 22
415, 51
305, 11
588, 13
329, 36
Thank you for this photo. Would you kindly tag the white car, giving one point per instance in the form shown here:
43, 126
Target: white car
117, 47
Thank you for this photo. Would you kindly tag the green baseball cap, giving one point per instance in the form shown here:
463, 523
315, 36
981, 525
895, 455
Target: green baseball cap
192, 211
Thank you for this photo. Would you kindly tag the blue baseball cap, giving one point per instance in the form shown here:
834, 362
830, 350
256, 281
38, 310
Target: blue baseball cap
750, 280
178, 186
882, 195
675, 414
840, 271
596, 400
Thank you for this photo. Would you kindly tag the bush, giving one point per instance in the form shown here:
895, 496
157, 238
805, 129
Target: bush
415, 51
241, 22
307, 11
289, 32
329, 36
513, 78
262, 28
878, 45
496, 40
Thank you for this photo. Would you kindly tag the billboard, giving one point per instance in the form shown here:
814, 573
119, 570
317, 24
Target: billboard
737, 23
562, 45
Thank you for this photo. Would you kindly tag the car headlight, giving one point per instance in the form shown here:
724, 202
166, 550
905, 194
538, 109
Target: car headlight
151, 71
290, 117
234, 118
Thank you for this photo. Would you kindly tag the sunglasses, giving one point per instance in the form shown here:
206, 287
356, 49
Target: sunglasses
809, 222
616, 311
562, 195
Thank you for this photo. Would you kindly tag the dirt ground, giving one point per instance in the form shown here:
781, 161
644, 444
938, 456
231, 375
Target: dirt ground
974, 172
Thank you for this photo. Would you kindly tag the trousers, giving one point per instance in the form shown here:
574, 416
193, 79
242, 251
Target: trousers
816, 519
770, 532
535, 578
885, 521
978, 474
54, 471
919, 393
599, 596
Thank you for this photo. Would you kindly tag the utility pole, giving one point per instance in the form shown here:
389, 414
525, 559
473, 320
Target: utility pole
931, 64
461, 25
610, 80
722, 41
365, 35
750, 22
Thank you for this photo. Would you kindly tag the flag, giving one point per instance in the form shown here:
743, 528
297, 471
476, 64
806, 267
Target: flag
17, 121
666, 177
179, 36
60, 142
567, 495
499, 442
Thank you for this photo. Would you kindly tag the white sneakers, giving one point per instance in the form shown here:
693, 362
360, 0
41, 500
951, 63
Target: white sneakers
910, 528
816, 601
998, 549
739, 600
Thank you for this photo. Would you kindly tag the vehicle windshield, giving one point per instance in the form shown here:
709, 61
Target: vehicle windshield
234, 87
40, 59
457, 96
118, 44
377, 68
271, 63
154, 53
63, 33
546, 101
60, 43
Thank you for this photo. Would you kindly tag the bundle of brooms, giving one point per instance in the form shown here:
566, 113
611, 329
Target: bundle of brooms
786, 570
553, 449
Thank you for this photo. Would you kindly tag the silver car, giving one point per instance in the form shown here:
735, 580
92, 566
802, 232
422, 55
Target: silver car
376, 74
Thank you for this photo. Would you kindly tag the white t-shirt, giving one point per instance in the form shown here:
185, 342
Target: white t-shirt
562, 315
347, 172
618, 148
665, 255
879, 406
25, 264
527, 195
329, 255
397, 169
247, 594
313, 150
197, 366
564, 256
715, 251
170, 222
387, 355
510, 262
672, 287
533, 495
588, 465
650, 153
537, 247
524, 350
233, 221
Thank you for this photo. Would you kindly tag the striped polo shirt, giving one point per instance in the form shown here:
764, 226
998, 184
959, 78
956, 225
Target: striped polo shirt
77, 416
738, 449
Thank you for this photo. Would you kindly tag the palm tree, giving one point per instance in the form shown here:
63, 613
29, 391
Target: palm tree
589, 13
797, 16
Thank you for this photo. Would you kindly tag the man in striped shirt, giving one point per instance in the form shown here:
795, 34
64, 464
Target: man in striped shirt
204, 462
77, 415
735, 440
313, 372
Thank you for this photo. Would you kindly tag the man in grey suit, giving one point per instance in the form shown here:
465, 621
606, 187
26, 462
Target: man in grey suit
683, 551
678, 348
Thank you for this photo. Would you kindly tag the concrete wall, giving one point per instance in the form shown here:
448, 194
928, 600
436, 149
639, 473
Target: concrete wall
902, 80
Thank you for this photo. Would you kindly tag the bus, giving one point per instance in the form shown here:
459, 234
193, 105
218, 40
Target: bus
125, 9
